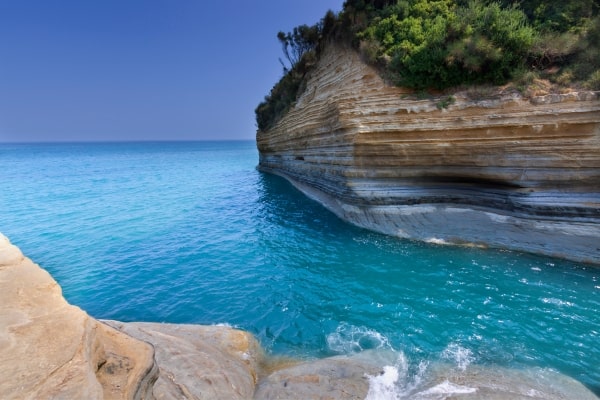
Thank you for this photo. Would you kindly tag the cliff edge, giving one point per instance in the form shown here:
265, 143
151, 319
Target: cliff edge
501, 170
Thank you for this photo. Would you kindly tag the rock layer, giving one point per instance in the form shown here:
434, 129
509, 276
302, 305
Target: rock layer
504, 170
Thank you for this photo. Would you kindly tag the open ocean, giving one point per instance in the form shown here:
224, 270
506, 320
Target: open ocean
191, 232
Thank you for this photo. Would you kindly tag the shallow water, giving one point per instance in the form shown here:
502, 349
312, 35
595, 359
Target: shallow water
192, 232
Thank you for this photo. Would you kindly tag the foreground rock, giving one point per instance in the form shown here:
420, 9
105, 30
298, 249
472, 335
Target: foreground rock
200, 362
52, 350
480, 383
331, 378
492, 169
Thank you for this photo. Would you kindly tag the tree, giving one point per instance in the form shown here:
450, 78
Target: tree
299, 42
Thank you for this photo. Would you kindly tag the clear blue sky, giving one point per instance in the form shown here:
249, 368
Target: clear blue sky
89, 70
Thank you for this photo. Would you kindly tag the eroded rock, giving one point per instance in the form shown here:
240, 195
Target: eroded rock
200, 362
502, 170
53, 350
333, 378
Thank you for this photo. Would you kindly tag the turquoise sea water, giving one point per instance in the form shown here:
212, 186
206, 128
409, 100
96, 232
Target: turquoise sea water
191, 232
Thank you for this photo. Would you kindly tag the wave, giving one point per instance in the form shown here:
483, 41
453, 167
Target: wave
452, 372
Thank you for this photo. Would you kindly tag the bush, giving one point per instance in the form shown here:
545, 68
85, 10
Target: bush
434, 43
281, 97
438, 44
557, 16
587, 61
593, 81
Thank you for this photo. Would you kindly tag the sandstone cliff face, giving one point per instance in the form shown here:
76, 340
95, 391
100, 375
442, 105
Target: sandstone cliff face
505, 171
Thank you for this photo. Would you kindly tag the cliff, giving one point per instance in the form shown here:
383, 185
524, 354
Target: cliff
501, 170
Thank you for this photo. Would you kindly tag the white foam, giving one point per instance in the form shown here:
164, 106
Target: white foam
446, 389
349, 339
397, 381
383, 387
557, 302
434, 240
225, 325
460, 355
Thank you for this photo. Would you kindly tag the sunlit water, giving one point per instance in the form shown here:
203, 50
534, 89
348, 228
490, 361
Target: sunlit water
193, 233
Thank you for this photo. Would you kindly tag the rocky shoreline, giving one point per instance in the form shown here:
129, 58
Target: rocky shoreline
53, 350
490, 169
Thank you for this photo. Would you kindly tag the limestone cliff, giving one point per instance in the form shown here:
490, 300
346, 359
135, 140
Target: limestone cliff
504, 171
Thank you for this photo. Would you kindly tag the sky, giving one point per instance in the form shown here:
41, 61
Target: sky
129, 70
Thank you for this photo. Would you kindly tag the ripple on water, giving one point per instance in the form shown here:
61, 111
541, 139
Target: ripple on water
191, 232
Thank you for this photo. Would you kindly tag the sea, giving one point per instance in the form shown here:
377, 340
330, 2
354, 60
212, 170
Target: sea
192, 232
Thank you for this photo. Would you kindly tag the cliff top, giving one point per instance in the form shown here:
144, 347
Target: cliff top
433, 45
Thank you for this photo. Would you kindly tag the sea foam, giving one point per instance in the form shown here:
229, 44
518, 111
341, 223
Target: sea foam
349, 339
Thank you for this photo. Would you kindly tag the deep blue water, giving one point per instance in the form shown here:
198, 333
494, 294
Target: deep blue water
191, 232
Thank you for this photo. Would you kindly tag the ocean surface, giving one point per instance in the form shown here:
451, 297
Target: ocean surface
191, 232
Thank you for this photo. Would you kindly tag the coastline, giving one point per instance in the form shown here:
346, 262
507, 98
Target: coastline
452, 224
52, 349
505, 171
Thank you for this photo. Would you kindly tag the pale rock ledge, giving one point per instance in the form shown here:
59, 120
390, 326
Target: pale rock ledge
53, 350
503, 171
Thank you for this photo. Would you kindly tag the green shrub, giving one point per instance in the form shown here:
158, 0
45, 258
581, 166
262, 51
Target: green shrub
445, 102
434, 43
425, 44
587, 61
593, 81
280, 99
557, 16
301, 48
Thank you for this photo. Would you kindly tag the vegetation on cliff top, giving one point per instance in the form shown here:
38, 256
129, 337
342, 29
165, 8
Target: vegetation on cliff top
438, 44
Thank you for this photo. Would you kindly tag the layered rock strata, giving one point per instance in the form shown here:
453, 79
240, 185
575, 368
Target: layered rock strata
502, 170
52, 350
